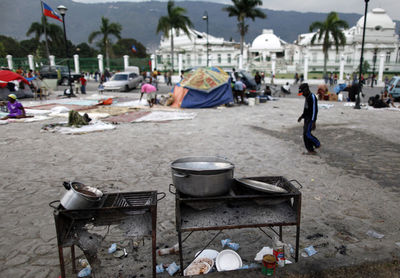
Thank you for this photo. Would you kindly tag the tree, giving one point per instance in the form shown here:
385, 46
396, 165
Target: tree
54, 33
29, 46
106, 30
85, 51
242, 9
330, 32
11, 46
124, 47
175, 19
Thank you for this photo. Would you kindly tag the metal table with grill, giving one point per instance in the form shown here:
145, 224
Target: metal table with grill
241, 208
136, 211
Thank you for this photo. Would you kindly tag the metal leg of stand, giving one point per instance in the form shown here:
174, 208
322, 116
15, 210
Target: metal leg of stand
180, 251
73, 259
61, 258
297, 242
280, 233
154, 239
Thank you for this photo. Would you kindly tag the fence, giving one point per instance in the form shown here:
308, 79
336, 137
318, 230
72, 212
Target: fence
85, 64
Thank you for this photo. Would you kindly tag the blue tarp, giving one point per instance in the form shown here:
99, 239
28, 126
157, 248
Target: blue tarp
200, 99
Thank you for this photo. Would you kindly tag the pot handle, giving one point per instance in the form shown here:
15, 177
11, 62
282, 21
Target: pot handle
162, 196
180, 175
67, 185
51, 204
170, 189
297, 183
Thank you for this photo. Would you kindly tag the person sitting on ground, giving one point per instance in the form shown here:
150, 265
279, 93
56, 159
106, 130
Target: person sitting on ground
15, 109
388, 98
322, 92
286, 89
267, 91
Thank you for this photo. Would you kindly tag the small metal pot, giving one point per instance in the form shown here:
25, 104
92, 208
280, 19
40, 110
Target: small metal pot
202, 176
80, 196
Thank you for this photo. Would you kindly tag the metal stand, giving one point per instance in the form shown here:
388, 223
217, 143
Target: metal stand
116, 208
237, 212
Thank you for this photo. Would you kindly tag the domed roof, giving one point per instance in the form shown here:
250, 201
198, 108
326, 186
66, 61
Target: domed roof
267, 40
377, 19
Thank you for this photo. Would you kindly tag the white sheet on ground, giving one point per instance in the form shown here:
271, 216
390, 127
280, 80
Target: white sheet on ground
29, 120
134, 103
159, 116
94, 126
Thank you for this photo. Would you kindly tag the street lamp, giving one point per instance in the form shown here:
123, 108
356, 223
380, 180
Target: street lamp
205, 17
373, 68
357, 106
62, 9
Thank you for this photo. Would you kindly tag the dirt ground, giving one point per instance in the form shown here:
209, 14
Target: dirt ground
349, 188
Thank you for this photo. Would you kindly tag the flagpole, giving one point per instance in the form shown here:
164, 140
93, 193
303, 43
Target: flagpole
45, 34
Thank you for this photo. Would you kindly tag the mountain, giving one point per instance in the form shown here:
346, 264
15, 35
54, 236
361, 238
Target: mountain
139, 20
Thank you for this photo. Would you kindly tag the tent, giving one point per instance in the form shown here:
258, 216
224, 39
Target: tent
8, 76
203, 88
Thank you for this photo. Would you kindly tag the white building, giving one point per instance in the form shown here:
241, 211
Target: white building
381, 42
266, 50
194, 51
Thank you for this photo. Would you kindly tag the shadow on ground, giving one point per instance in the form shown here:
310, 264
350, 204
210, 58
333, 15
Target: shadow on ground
356, 152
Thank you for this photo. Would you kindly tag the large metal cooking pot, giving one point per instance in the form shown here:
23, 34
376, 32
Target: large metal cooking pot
202, 176
80, 196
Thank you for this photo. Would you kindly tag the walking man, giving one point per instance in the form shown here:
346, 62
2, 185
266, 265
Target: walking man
309, 115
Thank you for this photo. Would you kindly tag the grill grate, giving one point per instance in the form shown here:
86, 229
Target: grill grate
129, 199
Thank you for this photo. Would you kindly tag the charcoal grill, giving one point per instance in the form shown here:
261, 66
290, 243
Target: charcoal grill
136, 210
241, 208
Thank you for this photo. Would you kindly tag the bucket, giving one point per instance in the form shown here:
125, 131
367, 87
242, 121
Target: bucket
269, 263
252, 101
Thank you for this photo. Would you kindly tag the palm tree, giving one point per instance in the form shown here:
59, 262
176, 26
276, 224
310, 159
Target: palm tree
106, 29
243, 9
174, 20
330, 32
52, 33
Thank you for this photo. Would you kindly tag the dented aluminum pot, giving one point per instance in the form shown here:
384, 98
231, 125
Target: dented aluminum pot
80, 196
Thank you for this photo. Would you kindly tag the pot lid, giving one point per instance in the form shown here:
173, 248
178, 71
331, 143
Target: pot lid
200, 164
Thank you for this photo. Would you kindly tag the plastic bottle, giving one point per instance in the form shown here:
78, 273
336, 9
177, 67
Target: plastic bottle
279, 252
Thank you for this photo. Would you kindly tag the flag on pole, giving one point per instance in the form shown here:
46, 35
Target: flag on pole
48, 11
133, 48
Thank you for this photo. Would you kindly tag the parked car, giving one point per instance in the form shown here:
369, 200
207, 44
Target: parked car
394, 87
52, 72
123, 81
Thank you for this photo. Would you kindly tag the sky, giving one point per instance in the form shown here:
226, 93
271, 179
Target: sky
392, 7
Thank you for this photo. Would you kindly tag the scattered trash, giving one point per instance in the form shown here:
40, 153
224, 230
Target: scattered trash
252, 265
375, 234
291, 249
264, 251
228, 242
159, 268
269, 263
288, 262
279, 252
398, 244
314, 236
85, 272
342, 249
325, 106
125, 253
119, 254
112, 248
172, 250
304, 254
172, 268
310, 251
83, 262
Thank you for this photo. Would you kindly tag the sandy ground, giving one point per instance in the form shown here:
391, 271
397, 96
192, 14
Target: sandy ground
350, 187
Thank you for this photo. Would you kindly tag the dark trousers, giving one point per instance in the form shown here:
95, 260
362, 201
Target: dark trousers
310, 141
